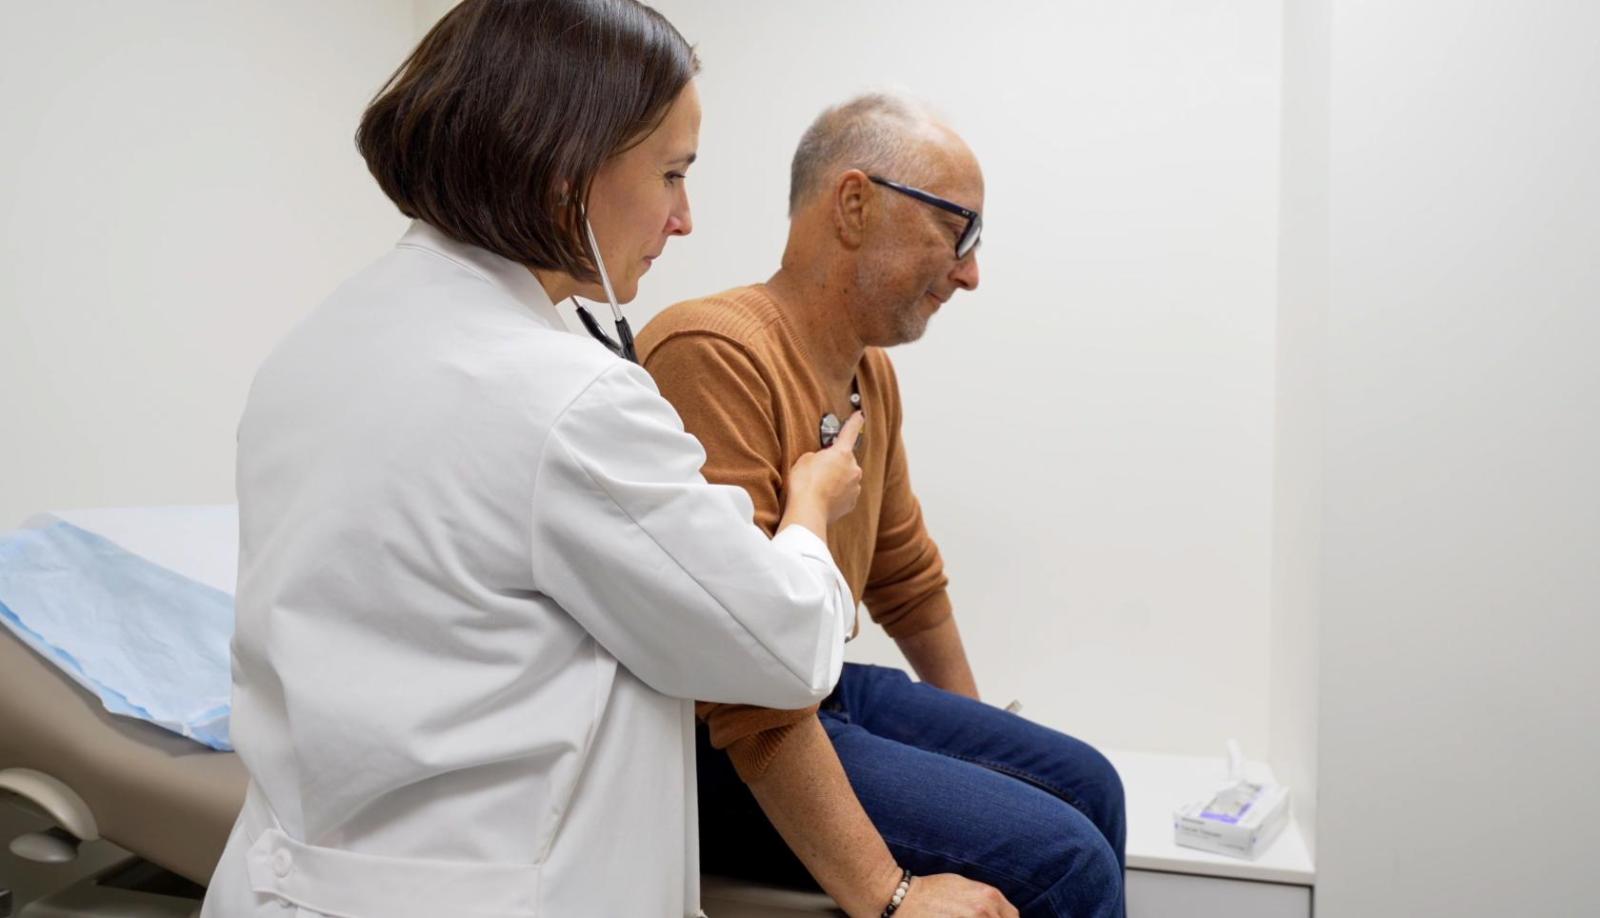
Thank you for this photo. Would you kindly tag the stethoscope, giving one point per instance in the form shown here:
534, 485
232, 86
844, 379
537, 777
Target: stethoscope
831, 425
623, 346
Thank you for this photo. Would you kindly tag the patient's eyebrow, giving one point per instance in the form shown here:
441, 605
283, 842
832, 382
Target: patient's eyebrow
686, 159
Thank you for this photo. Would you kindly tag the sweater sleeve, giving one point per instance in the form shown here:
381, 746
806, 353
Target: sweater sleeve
906, 585
727, 403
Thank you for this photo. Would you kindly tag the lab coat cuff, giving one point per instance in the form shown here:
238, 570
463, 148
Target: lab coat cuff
806, 544
803, 541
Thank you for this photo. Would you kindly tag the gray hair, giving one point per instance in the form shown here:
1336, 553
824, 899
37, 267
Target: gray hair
877, 133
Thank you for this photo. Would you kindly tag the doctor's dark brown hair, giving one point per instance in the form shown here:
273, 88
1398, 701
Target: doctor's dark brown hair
495, 126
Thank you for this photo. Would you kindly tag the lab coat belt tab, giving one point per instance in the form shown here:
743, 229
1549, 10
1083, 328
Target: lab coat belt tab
349, 884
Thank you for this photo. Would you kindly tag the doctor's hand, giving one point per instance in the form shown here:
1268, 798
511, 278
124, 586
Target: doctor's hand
949, 895
824, 485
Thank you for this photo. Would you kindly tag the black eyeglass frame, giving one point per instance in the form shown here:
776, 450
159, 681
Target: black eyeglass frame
971, 234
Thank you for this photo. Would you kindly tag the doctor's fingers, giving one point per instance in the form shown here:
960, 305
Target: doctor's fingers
840, 459
830, 477
849, 433
844, 449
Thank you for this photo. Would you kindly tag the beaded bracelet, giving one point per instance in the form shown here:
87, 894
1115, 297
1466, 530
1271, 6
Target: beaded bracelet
899, 894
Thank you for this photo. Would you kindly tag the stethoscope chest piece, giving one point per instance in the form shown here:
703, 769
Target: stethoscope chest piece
831, 425
830, 429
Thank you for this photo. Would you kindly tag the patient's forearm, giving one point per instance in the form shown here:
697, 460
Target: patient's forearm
808, 798
939, 658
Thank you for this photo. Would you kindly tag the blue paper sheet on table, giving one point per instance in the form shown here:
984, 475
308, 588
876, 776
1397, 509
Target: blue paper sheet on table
149, 642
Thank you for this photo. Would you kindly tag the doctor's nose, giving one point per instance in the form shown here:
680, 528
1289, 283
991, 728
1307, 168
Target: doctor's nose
679, 223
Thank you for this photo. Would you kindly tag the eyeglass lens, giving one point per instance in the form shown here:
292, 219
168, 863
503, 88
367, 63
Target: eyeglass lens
969, 239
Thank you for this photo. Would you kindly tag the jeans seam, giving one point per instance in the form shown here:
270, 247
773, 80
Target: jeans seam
1064, 795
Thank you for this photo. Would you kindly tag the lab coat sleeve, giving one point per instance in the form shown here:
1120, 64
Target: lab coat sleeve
669, 572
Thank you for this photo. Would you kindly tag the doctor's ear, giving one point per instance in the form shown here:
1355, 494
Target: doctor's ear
852, 196
569, 194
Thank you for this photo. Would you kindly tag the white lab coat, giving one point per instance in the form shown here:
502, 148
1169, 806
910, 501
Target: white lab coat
480, 576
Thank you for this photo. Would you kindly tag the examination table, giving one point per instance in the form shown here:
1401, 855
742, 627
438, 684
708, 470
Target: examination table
167, 799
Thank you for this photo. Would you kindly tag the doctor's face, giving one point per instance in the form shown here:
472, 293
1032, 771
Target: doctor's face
639, 198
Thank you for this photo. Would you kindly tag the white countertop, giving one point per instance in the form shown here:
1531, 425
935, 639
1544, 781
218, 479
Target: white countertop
1156, 784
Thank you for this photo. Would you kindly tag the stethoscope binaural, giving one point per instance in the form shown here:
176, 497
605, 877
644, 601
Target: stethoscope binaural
623, 346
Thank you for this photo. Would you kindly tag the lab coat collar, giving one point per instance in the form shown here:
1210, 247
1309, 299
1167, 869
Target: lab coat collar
515, 279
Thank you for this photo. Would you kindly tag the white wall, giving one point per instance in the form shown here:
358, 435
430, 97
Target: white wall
1091, 432
1297, 470
178, 184
1153, 441
1460, 700
1092, 429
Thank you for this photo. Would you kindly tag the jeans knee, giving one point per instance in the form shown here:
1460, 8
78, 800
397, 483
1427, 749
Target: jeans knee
1100, 791
1104, 773
1088, 883
1115, 799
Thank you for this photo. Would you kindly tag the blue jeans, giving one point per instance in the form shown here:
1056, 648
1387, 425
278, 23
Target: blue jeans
953, 786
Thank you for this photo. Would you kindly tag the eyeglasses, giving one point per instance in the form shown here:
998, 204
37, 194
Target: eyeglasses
968, 240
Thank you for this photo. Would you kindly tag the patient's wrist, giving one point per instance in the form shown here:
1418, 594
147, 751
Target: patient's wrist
899, 895
880, 891
869, 899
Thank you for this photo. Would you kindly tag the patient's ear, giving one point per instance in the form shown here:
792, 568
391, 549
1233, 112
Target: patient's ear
852, 198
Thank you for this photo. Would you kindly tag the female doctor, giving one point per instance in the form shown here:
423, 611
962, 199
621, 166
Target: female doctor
480, 572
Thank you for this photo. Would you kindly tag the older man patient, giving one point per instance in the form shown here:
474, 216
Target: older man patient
891, 790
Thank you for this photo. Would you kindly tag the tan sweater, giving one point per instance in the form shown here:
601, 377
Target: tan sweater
739, 375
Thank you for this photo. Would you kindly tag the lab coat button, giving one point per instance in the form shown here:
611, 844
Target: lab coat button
282, 860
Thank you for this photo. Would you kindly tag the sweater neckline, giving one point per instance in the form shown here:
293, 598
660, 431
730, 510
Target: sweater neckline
786, 321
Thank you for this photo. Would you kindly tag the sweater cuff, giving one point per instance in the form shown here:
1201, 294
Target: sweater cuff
752, 755
929, 613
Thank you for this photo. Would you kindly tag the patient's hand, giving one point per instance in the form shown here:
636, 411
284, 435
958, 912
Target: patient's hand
948, 895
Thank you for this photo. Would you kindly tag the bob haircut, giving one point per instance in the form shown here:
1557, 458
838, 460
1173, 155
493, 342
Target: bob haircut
495, 126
